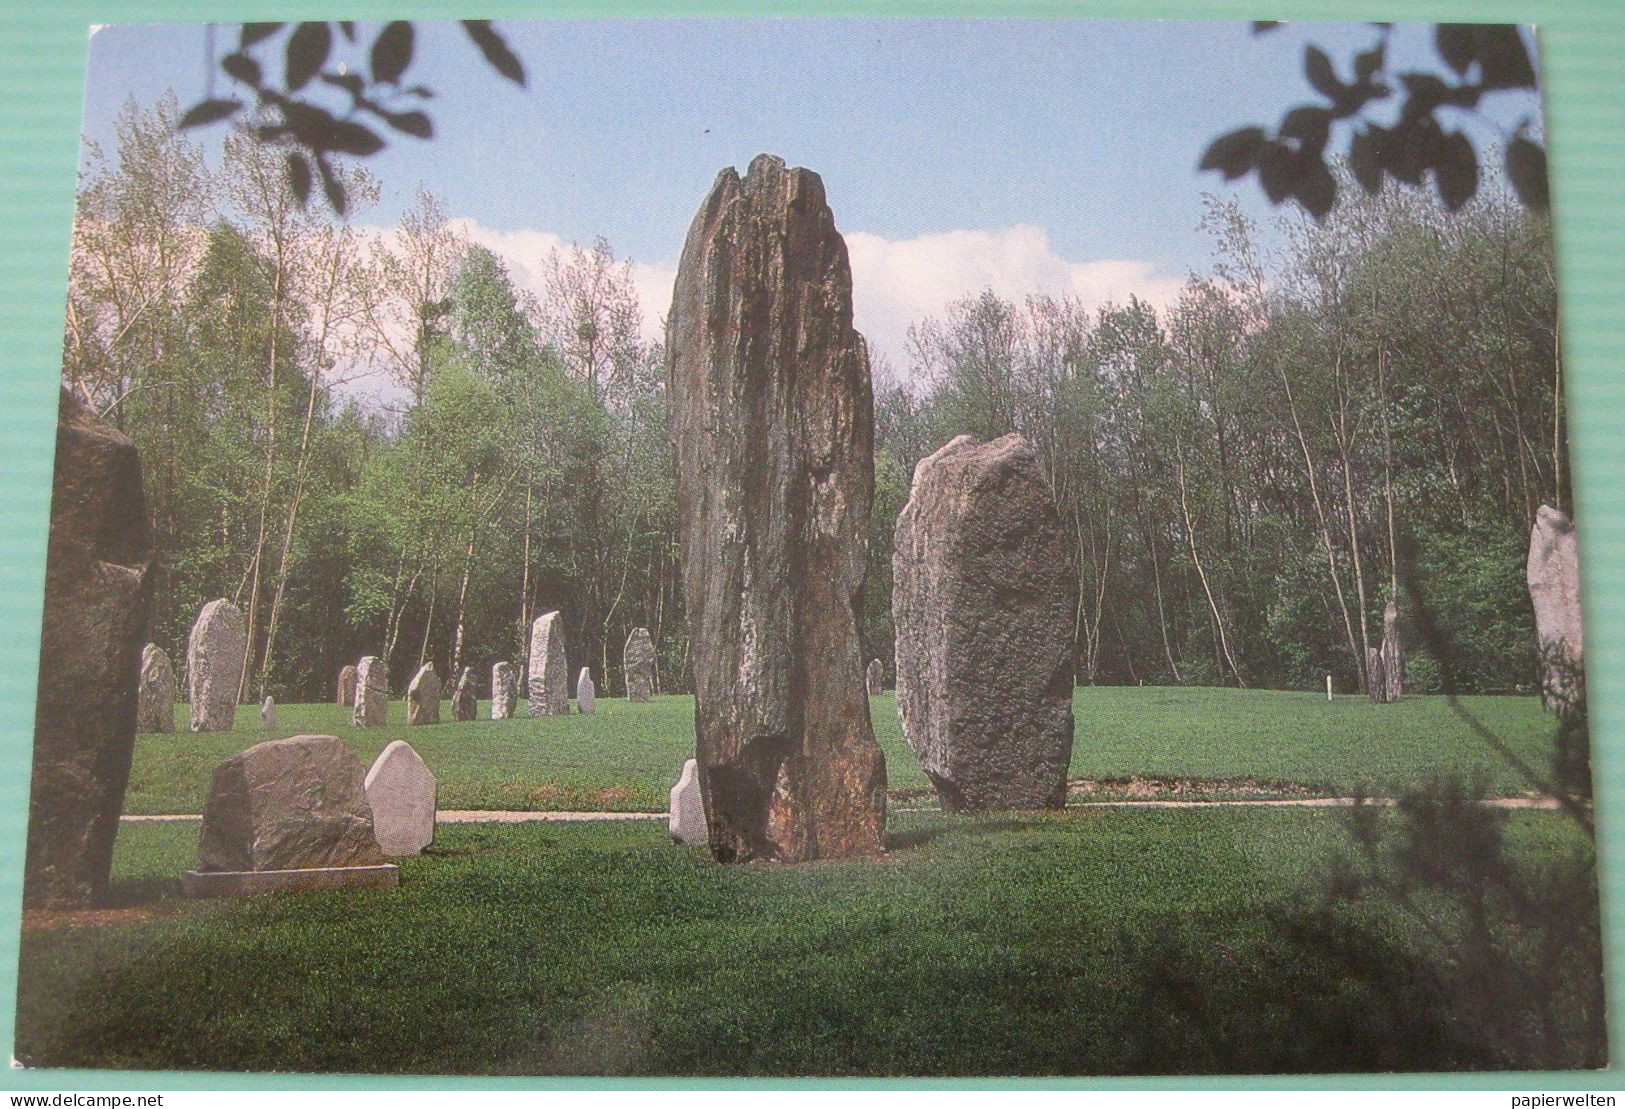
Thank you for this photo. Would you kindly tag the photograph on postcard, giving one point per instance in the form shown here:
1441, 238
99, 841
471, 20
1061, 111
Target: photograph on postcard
814, 547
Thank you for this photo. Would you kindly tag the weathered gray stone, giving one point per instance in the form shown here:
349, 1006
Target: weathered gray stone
504, 691
638, 660
402, 794
156, 711
1392, 653
268, 713
97, 588
1554, 588
983, 606
586, 693
423, 697
1376, 682
346, 690
288, 804
214, 666
771, 416
547, 685
465, 703
371, 694
875, 677
686, 822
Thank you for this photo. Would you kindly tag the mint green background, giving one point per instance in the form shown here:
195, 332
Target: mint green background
42, 58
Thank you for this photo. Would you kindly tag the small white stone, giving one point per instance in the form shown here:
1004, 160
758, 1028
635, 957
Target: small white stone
155, 701
268, 713
586, 693
547, 684
687, 822
402, 794
504, 691
638, 658
371, 694
423, 697
214, 666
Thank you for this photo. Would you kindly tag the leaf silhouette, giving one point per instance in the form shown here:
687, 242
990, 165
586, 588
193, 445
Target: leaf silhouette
410, 123
1456, 173
1317, 69
1234, 154
392, 52
242, 67
1526, 166
307, 53
332, 187
495, 50
299, 178
255, 32
208, 111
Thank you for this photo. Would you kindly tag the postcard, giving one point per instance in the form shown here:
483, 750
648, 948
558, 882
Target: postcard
819, 548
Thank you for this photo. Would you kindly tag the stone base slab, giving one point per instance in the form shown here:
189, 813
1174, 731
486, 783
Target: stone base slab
247, 883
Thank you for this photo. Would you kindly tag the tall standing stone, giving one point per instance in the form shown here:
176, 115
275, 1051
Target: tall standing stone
983, 605
346, 689
268, 713
504, 691
465, 703
156, 699
97, 589
401, 791
371, 694
1554, 589
423, 697
772, 420
547, 685
214, 666
638, 660
1376, 682
875, 677
685, 821
1393, 655
586, 693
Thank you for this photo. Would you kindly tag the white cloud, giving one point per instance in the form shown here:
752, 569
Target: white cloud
525, 250
898, 282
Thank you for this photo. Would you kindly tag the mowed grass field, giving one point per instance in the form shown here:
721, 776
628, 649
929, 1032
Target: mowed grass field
626, 757
1098, 941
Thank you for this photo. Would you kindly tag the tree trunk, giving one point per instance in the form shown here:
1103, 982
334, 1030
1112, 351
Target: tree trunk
1196, 558
265, 492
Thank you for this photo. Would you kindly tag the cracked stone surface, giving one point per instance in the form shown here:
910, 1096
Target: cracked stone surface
772, 420
983, 605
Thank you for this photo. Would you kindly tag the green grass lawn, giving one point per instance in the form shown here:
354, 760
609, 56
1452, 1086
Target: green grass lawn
627, 756
1098, 941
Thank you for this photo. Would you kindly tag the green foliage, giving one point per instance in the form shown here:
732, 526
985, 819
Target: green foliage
997, 945
1476, 591
1234, 472
223, 327
1238, 472
875, 630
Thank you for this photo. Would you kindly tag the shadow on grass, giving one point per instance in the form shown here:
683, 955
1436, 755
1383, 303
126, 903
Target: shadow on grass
966, 829
1317, 993
435, 852
135, 893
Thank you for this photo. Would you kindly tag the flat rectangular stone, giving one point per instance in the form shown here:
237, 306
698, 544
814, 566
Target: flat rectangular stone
248, 883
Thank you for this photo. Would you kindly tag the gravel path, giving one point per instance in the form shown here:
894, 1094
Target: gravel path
500, 816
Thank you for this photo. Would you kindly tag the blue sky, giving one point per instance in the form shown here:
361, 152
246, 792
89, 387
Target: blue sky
955, 153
